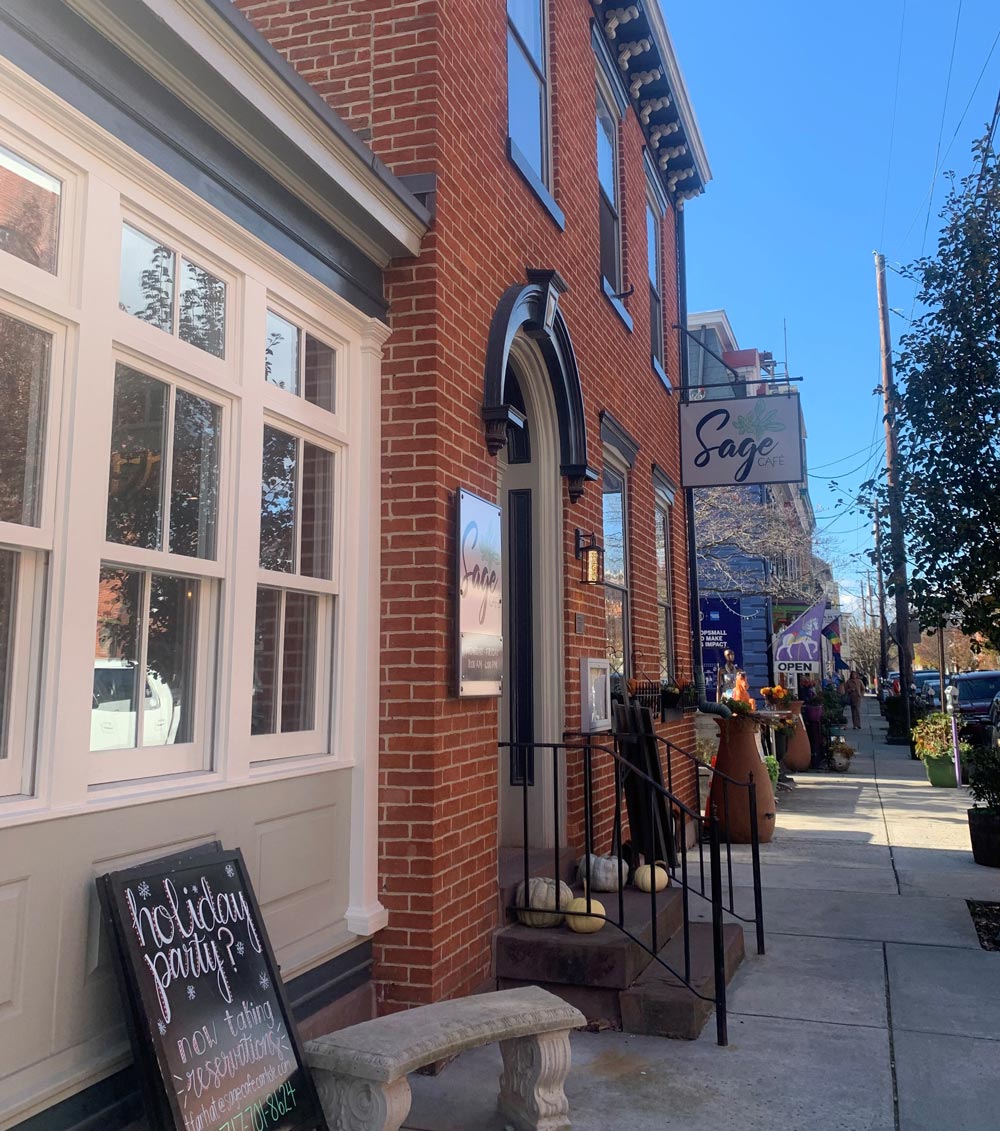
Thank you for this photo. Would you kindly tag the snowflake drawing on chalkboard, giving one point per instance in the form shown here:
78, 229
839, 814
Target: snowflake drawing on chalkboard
194, 889
144, 890
230, 871
264, 981
240, 948
191, 993
162, 1027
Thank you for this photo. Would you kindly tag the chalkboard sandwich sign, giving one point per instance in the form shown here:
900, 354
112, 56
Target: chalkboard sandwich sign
212, 1032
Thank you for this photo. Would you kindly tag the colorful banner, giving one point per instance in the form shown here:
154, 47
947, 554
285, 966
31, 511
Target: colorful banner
832, 633
797, 647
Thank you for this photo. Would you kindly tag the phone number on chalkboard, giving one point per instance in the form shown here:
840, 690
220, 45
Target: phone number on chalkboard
260, 1116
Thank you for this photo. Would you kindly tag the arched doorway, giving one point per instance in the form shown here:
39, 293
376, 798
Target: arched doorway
531, 707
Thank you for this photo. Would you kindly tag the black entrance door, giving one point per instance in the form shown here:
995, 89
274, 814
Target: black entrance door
520, 693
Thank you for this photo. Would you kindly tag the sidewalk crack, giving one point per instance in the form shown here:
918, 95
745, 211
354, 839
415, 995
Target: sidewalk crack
892, 1046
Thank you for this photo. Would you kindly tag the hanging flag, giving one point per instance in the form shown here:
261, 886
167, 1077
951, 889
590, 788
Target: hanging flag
832, 633
796, 648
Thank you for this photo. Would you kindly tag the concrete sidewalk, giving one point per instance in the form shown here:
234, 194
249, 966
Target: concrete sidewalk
874, 1009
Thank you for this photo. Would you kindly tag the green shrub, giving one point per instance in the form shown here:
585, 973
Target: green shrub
772, 768
984, 778
932, 738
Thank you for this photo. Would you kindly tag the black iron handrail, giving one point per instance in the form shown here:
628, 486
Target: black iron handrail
707, 823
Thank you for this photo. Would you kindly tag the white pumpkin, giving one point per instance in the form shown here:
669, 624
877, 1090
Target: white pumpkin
583, 919
539, 908
607, 873
648, 874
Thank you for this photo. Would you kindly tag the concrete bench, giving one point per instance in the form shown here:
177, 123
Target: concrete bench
360, 1072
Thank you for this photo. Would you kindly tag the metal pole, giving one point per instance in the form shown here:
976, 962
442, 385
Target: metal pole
896, 543
883, 643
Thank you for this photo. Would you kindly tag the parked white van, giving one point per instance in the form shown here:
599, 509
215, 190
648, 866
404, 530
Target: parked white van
112, 720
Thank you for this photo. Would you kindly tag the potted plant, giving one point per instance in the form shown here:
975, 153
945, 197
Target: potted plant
670, 695
984, 817
840, 756
932, 742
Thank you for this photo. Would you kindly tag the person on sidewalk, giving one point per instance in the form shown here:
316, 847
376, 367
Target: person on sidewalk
854, 689
725, 681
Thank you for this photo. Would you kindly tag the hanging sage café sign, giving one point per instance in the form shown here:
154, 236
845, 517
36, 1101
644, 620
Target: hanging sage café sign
740, 442
479, 587
212, 1033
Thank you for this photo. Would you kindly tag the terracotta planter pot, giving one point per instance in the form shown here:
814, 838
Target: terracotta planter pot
798, 755
739, 758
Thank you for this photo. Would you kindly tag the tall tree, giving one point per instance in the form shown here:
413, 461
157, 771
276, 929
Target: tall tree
948, 411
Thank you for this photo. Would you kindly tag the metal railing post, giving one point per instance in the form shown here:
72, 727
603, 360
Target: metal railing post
758, 898
718, 944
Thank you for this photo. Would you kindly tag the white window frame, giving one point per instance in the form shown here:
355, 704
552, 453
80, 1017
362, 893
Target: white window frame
605, 102
105, 184
621, 469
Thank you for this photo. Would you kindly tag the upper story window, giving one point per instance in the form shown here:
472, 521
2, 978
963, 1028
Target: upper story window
654, 265
190, 303
527, 85
29, 211
607, 177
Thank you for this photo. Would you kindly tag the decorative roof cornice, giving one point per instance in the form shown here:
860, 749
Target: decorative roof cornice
638, 41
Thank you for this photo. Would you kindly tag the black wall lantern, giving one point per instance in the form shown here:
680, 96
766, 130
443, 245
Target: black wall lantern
591, 554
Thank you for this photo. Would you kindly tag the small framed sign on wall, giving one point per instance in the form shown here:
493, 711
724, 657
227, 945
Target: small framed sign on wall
479, 587
595, 695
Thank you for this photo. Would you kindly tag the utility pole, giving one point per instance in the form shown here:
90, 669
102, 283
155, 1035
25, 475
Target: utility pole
883, 644
896, 544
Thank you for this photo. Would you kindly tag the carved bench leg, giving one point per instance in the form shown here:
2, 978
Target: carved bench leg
350, 1104
531, 1084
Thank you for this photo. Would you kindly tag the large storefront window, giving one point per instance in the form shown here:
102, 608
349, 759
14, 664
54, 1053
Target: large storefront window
616, 579
664, 593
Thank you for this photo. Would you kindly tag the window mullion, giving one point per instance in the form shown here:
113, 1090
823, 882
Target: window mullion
529, 58
146, 583
279, 663
168, 468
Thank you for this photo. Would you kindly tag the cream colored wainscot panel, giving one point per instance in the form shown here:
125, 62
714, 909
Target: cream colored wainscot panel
61, 1025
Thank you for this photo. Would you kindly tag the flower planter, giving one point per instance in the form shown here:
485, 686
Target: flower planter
940, 770
984, 831
798, 756
739, 757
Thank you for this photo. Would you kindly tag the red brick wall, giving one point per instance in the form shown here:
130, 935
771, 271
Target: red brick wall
428, 80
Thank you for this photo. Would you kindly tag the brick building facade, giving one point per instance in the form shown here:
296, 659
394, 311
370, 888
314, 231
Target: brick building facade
439, 91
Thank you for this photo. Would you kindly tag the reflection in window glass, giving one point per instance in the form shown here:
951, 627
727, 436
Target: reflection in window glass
616, 580
29, 211
24, 389
281, 354
606, 166
320, 372
144, 664
263, 714
138, 434
116, 660
525, 107
315, 553
665, 617
298, 660
194, 480
8, 582
171, 634
146, 288
526, 16
614, 528
202, 309
277, 509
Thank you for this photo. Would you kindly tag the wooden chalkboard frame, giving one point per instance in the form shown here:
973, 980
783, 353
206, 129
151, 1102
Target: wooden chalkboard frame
163, 1110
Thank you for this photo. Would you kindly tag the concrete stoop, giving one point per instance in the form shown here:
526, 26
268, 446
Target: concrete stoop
612, 979
660, 1005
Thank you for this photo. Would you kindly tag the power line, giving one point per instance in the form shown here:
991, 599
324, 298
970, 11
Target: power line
844, 459
993, 48
989, 146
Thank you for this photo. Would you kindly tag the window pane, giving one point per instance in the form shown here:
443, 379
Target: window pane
662, 564
614, 528
607, 172
171, 637
116, 660
202, 309
265, 662
316, 552
24, 390
146, 288
609, 243
8, 592
526, 16
29, 211
320, 371
277, 509
194, 483
298, 662
135, 483
653, 247
525, 108
655, 326
281, 354
614, 604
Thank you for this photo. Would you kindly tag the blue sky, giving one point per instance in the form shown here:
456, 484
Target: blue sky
813, 171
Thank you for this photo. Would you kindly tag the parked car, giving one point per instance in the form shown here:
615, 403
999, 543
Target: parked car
112, 718
976, 693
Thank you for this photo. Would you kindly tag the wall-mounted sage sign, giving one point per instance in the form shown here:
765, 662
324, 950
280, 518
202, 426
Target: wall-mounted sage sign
734, 443
479, 585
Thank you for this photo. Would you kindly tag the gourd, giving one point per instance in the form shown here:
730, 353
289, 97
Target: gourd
607, 873
648, 874
583, 919
539, 908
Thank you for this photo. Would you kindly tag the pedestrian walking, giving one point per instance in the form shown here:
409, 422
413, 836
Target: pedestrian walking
854, 689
